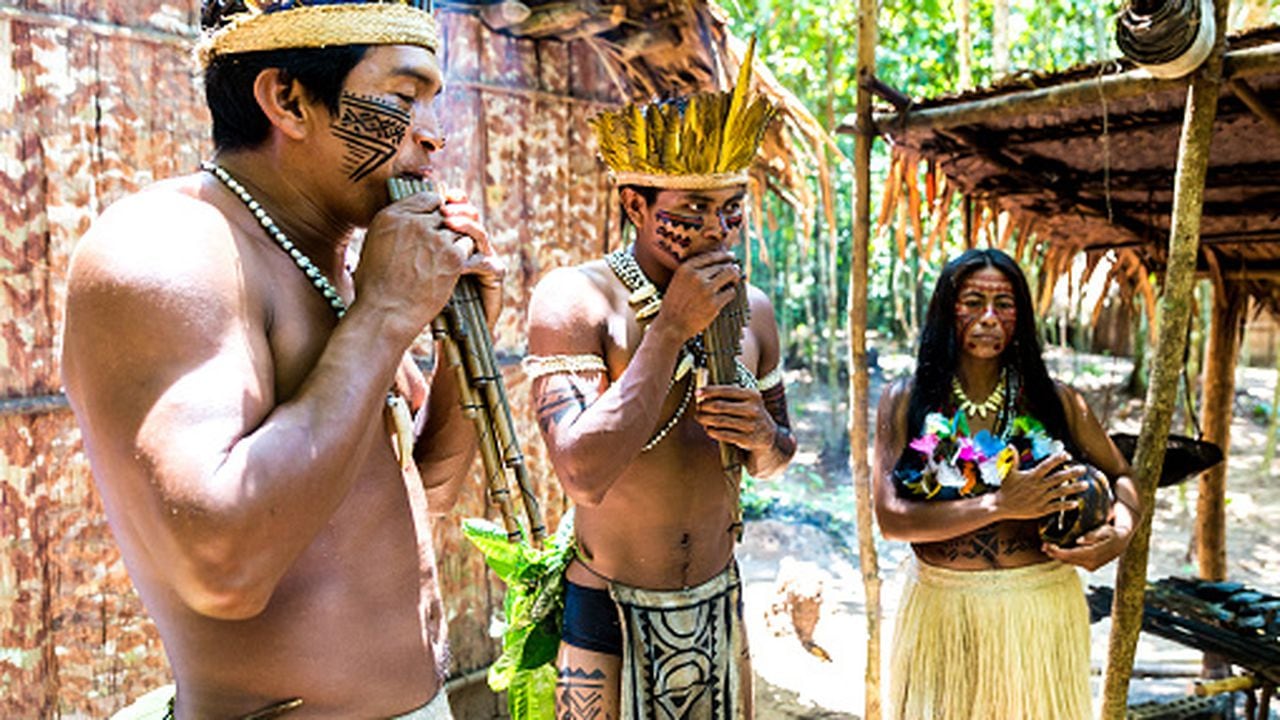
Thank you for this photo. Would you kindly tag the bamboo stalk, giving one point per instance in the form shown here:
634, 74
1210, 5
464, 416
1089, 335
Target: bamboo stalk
1184, 242
859, 381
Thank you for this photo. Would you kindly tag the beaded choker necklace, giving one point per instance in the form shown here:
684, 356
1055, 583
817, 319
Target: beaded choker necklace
399, 408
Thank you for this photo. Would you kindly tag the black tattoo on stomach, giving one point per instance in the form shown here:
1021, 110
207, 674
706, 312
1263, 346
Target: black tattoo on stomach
985, 544
372, 129
580, 694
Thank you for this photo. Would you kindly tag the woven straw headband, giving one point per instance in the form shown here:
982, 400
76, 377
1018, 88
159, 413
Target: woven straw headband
316, 26
681, 182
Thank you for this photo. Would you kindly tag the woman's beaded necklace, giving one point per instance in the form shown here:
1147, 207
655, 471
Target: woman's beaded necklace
397, 405
990, 405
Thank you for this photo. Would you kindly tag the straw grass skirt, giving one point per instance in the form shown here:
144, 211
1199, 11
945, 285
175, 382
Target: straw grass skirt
992, 644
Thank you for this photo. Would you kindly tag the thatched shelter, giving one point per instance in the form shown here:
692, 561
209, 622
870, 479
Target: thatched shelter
1083, 161
1163, 176
97, 100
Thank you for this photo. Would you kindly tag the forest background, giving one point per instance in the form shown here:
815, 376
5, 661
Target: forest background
927, 49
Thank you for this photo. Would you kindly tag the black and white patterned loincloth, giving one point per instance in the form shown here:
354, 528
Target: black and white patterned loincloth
683, 651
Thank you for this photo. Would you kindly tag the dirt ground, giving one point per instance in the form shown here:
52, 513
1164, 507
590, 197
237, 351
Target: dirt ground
786, 562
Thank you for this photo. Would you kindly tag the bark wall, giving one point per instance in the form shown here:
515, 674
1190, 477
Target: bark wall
97, 100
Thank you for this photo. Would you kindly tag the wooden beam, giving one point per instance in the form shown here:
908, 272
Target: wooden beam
1259, 107
1256, 237
1247, 62
1091, 127
859, 378
1175, 313
1218, 403
1255, 176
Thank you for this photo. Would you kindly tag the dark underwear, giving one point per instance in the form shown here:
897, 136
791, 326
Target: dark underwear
591, 620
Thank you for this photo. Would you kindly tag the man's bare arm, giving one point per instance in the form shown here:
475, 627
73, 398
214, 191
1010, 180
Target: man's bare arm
1023, 495
756, 421
169, 368
1104, 544
593, 428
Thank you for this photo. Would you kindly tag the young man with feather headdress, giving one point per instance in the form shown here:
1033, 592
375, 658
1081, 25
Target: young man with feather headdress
652, 624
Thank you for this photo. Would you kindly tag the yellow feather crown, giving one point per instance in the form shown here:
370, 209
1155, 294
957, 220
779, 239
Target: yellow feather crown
281, 24
703, 141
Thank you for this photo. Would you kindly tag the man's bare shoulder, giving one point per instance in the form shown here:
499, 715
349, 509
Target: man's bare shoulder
760, 304
895, 397
157, 284
164, 236
573, 296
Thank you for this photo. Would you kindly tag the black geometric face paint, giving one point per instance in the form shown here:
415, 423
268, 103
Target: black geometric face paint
372, 129
675, 232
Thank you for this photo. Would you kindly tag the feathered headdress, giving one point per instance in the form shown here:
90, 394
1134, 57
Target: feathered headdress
280, 24
703, 141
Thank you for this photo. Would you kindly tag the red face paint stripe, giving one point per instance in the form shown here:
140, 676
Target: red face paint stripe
687, 222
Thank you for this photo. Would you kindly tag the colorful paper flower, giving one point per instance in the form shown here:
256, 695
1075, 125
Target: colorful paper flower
925, 444
988, 445
938, 424
1005, 461
948, 476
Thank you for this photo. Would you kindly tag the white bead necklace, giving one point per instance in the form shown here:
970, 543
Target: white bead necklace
404, 438
300, 258
646, 301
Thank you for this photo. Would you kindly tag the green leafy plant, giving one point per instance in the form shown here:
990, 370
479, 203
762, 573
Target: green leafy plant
532, 610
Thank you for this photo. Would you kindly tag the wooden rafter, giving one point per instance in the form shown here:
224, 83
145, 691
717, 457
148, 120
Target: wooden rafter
1244, 63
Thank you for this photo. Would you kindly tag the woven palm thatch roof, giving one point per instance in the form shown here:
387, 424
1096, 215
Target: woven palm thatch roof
1084, 160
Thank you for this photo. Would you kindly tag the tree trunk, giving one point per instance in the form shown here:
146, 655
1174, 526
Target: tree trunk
859, 382
1000, 37
965, 45
1269, 454
1219, 399
1175, 302
833, 255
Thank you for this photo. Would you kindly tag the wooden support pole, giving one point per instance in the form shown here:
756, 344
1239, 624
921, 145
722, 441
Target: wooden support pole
859, 381
1175, 311
1218, 401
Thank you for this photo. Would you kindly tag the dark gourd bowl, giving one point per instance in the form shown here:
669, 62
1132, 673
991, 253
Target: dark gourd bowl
1065, 528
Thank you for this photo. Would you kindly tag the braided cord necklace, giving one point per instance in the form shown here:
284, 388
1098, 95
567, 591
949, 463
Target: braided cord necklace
399, 408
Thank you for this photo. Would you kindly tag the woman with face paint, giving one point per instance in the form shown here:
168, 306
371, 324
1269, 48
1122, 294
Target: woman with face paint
972, 453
